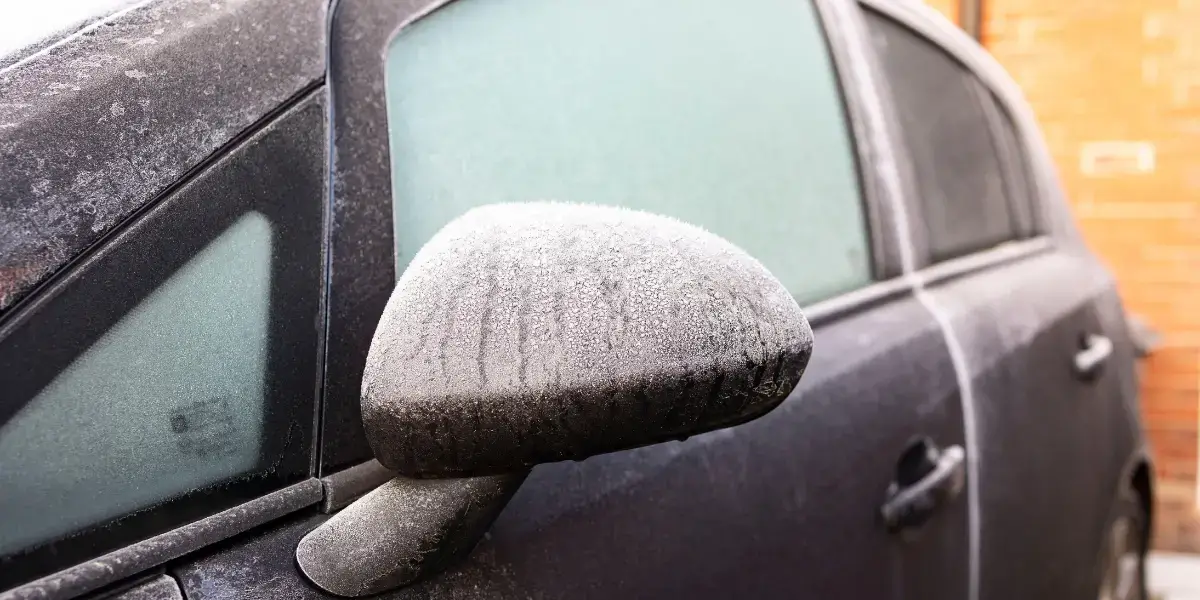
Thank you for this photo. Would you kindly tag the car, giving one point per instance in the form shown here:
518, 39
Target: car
207, 205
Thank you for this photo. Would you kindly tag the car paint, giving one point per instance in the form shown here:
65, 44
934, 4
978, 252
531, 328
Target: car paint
111, 119
781, 506
1050, 443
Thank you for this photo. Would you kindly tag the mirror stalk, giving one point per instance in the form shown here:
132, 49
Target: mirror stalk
403, 531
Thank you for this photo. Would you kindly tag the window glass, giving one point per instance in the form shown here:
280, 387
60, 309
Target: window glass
1019, 184
946, 132
169, 399
725, 117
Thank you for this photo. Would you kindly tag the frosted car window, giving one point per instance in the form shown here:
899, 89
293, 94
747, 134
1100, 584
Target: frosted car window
725, 117
1019, 186
168, 400
947, 134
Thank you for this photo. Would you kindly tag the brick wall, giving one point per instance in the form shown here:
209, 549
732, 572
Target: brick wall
1116, 89
946, 7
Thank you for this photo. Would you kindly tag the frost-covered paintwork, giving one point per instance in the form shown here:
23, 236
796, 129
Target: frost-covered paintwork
402, 531
98, 124
1049, 443
976, 353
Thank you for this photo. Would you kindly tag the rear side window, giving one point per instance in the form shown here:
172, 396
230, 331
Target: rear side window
947, 133
725, 117
1019, 185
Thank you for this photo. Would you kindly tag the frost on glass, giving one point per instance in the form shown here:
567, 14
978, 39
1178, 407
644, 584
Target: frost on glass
168, 400
724, 116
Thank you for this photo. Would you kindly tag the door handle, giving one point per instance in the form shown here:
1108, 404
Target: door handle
926, 479
1094, 352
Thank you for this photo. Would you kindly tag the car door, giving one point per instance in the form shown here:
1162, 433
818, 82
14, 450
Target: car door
1036, 318
732, 120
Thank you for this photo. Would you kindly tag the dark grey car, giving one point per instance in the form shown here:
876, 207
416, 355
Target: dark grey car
204, 206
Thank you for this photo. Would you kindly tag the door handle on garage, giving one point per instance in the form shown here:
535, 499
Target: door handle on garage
942, 473
1094, 352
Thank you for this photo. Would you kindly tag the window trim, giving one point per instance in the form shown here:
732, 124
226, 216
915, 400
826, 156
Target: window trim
1050, 210
984, 260
360, 244
840, 27
132, 559
890, 169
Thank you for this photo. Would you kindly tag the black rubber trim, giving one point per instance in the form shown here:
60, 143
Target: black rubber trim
132, 559
346, 486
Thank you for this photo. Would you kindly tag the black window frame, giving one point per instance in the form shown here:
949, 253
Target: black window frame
275, 169
362, 270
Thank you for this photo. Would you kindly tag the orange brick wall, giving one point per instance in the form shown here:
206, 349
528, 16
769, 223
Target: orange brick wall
1129, 72
946, 7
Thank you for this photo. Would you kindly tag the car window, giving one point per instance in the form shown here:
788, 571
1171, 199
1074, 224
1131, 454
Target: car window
730, 119
167, 400
1018, 184
170, 373
946, 132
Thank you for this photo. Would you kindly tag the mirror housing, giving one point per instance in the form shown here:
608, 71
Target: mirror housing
529, 333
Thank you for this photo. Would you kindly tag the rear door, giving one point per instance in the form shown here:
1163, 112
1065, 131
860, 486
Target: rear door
1034, 316
733, 119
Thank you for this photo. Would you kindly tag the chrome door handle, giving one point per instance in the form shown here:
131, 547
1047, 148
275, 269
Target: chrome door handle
1089, 361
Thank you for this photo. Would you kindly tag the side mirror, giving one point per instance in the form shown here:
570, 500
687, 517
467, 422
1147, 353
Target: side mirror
531, 333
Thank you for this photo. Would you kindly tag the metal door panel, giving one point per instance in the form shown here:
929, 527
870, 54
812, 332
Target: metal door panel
1046, 457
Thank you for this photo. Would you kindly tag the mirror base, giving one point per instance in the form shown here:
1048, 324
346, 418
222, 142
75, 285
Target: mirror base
403, 531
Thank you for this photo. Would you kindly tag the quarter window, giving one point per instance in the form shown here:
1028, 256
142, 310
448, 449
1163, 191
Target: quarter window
728, 118
168, 400
172, 373
946, 131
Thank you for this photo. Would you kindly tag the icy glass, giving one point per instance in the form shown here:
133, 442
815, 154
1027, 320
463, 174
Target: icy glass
167, 401
945, 130
727, 116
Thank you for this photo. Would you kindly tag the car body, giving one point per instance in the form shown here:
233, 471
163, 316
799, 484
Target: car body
204, 206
